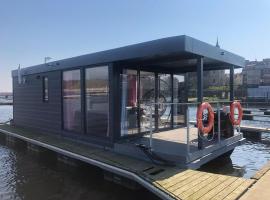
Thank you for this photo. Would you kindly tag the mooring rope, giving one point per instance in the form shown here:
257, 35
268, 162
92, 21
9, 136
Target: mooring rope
154, 158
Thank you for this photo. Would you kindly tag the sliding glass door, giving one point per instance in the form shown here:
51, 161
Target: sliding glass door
164, 98
144, 92
129, 102
71, 89
97, 100
179, 96
146, 98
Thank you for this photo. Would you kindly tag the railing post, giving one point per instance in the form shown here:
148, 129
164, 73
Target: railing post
239, 129
151, 130
188, 147
218, 114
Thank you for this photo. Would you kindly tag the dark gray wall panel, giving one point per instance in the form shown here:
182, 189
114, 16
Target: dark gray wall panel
30, 110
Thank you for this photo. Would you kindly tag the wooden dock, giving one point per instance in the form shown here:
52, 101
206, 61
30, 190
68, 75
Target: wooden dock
166, 182
191, 184
260, 190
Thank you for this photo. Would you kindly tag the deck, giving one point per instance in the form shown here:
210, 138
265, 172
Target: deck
165, 182
172, 145
260, 190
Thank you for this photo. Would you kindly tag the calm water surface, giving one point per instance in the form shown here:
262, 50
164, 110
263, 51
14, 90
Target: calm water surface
25, 176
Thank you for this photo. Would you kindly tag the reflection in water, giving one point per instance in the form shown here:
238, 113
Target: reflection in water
7, 174
246, 159
224, 166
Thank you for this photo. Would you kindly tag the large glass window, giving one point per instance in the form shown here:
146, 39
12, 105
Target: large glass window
147, 97
72, 100
129, 111
97, 100
179, 96
140, 89
164, 98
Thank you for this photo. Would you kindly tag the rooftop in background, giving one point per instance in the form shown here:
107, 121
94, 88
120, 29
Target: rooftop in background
180, 51
263, 63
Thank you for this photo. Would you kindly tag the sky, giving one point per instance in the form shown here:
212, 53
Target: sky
33, 29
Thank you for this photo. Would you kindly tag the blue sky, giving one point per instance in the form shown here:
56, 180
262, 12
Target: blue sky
32, 29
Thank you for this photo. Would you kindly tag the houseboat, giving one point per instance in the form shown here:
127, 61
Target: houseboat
133, 100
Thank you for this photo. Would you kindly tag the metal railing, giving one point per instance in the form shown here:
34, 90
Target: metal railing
217, 138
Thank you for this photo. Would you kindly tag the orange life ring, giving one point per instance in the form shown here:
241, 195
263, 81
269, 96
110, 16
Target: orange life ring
237, 105
205, 128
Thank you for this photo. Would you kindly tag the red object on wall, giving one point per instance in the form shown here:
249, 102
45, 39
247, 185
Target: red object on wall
132, 90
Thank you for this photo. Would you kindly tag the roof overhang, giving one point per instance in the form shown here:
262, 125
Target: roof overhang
173, 52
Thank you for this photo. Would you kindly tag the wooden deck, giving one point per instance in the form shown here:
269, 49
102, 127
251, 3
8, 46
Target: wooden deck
165, 182
191, 184
175, 141
260, 190
178, 135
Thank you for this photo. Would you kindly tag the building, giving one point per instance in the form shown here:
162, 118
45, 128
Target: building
261, 93
115, 98
256, 78
256, 73
238, 79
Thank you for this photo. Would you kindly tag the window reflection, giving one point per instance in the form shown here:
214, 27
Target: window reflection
97, 100
129, 117
179, 96
45, 89
147, 97
72, 100
164, 97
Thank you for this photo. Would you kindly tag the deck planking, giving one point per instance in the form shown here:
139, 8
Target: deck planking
192, 184
177, 183
262, 171
260, 190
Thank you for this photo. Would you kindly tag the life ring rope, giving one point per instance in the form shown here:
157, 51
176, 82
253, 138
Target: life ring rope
200, 124
236, 105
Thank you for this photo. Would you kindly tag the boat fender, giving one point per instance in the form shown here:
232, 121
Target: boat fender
200, 112
236, 105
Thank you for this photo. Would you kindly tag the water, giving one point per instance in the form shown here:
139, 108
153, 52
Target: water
24, 176
246, 159
6, 113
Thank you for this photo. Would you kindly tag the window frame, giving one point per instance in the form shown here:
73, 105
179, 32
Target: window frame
81, 131
45, 85
108, 135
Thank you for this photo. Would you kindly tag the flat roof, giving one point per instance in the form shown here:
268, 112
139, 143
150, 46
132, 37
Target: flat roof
184, 49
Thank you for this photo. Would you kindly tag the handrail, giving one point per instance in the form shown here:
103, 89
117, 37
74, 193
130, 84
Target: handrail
217, 106
193, 103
